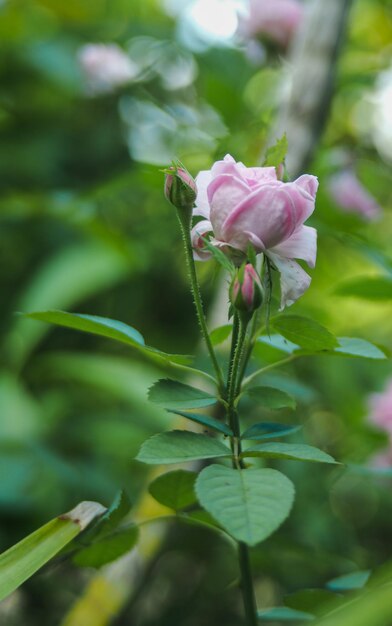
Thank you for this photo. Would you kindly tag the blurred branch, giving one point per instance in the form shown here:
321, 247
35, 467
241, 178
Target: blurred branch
313, 60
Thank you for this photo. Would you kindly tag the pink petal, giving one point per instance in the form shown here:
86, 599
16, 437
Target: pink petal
303, 192
202, 207
301, 245
294, 281
198, 232
225, 193
268, 213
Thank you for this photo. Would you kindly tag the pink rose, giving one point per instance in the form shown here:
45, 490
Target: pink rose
277, 20
348, 193
246, 291
106, 67
249, 205
380, 405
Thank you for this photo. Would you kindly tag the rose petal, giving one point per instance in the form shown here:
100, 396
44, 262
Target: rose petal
202, 207
301, 245
268, 212
198, 232
225, 193
294, 281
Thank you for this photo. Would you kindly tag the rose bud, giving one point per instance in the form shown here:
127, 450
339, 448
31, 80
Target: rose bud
180, 188
246, 291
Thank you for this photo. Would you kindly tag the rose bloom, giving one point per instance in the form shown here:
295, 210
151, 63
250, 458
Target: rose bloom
249, 205
348, 193
106, 67
380, 409
277, 20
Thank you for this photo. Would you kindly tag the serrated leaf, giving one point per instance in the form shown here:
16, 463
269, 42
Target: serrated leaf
177, 446
276, 154
305, 332
271, 398
220, 334
349, 582
355, 347
378, 288
108, 549
269, 430
173, 394
284, 614
105, 327
26, 557
174, 489
250, 504
293, 451
205, 420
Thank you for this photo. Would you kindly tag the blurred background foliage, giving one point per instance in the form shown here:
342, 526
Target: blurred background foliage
84, 227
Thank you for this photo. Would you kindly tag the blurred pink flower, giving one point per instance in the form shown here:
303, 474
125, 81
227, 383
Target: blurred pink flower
380, 410
277, 20
249, 205
348, 193
105, 67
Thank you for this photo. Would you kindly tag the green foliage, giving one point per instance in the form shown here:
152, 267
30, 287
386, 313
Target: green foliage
271, 398
26, 557
276, 154
112, 329
250, 504
107, 549
348, 582
205, 420
174, 489
269, 430
177, 446
292, 451
173, 394
284, 614
304, 332
378, 288
220, 334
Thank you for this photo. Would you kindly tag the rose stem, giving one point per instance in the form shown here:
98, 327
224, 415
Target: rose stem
185, 228
238, 342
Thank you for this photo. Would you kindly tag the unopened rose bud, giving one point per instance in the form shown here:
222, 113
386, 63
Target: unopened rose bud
246, 291
180, 188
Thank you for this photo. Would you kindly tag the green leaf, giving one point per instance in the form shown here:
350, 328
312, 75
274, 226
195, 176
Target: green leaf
26, 557
205, 420
276, 154
173, 394
293, 451
305, 333
349, 582
250, 504
106, 524
352, 346
269, 430
278, 342
220, 334
312, 600
105, 327
271, 398
284, 614
367, 287
174, 489
220, 257
177, 446
108, 549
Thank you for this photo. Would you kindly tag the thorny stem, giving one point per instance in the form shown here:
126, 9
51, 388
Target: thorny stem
234, 382
185, 228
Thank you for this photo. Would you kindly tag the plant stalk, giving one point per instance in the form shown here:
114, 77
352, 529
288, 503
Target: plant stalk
233, 382
185, 228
